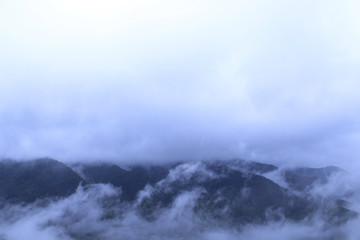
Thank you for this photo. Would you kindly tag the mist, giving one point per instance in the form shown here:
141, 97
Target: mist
98, 212
160, 101
158, 81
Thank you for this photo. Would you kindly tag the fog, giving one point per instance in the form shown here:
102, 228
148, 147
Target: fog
97, 212
158, 81
166, 81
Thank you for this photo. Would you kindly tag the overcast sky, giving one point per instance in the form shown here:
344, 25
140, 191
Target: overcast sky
274, 81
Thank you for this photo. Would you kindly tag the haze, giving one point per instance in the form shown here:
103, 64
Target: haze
273, 81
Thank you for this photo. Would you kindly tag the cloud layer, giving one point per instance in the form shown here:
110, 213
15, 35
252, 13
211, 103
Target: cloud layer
274, 81
96, 212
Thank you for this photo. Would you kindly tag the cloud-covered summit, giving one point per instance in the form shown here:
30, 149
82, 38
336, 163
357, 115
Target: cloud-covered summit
192, 200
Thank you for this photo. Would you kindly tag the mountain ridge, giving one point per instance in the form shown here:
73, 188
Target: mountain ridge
236, 191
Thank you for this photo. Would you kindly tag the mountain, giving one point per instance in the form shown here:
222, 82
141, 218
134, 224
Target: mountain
27, 181
303, 178
231, 192
131, 181
227, 192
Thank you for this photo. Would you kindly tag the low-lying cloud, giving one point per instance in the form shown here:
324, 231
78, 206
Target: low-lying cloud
84, 216
96, 212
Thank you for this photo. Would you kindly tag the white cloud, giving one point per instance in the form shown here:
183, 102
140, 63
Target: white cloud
180, 80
